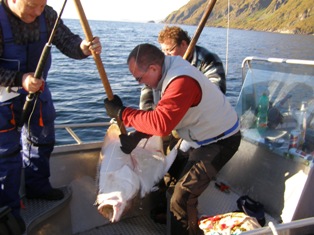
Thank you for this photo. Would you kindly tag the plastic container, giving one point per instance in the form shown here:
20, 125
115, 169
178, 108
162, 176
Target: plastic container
294, 139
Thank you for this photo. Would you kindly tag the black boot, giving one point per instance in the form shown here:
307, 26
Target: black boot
52, 195
178, 228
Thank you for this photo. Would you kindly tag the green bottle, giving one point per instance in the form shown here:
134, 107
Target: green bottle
262, 111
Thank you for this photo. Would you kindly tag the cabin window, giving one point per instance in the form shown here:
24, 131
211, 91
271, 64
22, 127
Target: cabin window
289, 125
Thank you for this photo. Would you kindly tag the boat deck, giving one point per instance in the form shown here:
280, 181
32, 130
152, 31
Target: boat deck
40, 216
136, 222
37, 211
137, 225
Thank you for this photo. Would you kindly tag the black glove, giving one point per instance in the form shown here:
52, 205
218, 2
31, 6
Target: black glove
114, 107
129, 142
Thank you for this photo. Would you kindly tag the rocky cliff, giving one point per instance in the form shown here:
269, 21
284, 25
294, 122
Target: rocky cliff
284, 16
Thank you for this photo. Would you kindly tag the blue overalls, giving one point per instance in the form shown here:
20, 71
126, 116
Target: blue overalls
38, 138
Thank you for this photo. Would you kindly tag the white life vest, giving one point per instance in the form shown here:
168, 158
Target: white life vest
213, 118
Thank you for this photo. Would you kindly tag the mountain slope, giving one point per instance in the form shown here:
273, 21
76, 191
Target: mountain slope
285, 16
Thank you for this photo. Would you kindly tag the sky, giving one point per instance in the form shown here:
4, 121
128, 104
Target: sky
120, 10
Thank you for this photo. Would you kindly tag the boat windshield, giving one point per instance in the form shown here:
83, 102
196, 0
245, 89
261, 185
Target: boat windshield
286, 87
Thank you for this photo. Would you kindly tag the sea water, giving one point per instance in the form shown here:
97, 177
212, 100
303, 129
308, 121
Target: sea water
78, 91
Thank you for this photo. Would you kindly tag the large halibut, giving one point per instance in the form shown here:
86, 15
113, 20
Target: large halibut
123, 176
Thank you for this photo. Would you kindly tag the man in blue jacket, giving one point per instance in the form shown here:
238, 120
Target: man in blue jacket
25, 27
175, 41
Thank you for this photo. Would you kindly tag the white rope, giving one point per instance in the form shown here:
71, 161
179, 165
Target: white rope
227, 41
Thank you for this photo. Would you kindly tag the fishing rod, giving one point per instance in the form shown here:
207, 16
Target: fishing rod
39, 70
199, 29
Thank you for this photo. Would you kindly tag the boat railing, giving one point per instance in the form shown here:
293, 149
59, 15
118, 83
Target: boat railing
77, 143
246, 63
69, 128
278, 60
284, 228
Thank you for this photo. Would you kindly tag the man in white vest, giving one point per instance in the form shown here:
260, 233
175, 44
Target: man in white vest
186, 101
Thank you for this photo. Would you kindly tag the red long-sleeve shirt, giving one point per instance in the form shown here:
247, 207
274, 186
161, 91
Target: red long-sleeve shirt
181, 94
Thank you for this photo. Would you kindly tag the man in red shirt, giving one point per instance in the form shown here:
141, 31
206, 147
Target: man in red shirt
186, 101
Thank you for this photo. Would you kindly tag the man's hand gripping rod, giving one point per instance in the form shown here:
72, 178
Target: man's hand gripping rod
39, 70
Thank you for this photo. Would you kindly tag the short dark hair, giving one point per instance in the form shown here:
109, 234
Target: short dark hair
146, 54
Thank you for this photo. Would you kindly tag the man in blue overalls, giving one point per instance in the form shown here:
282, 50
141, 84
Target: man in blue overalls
25, 26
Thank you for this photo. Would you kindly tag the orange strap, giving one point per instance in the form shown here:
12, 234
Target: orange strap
7, 130
41, 121
12, 121
42, 88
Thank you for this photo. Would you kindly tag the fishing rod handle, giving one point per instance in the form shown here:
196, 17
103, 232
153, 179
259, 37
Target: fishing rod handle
42, 61
30, 97
208, 10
